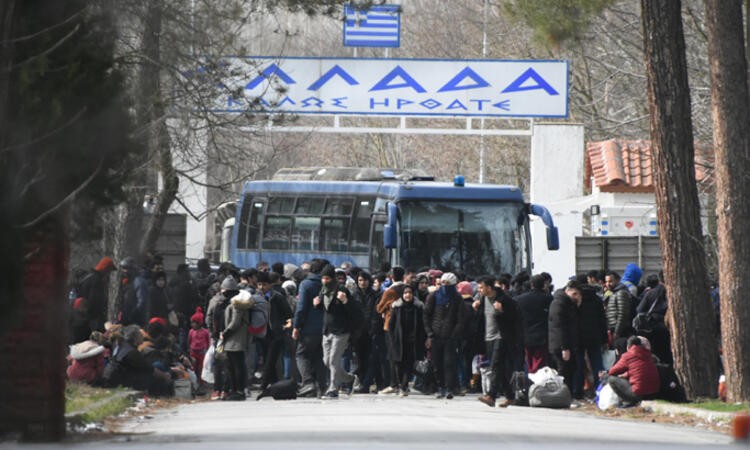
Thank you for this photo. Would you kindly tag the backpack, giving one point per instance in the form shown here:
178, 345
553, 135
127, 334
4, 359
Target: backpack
259, 314
520, 384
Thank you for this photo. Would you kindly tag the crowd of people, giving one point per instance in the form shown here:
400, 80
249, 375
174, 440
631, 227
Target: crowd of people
344, 330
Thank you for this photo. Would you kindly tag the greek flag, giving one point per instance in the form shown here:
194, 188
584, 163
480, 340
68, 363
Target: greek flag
377, 26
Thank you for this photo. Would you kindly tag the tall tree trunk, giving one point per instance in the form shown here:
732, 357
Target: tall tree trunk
731, 115
153, 118
683, 255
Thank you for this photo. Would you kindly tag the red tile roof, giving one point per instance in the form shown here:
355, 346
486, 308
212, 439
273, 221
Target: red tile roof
626, 166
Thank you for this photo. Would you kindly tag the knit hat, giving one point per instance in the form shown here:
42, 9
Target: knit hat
328, 271
448, 278
105, 263
289, 270
159, 320
229, 284
198, 316
465, 289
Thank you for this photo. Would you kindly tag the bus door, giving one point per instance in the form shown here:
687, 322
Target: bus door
378, 253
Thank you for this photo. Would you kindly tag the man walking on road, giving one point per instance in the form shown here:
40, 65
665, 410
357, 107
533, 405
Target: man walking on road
308, 332
340, 313
499, 315
444, 317
563, 330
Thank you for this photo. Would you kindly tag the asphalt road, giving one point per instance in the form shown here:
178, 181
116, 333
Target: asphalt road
375, 422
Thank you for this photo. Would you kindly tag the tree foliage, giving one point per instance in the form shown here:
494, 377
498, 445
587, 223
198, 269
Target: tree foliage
65, 147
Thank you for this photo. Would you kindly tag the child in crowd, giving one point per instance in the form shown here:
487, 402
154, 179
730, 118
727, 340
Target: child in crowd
199, 339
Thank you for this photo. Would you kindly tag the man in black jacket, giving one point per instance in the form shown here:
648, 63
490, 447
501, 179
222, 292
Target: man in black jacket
500, 317
279, 322
444, 317
592, 337
340, 316
534, 308
563, 330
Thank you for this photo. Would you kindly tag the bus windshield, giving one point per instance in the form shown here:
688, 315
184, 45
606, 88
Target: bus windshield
477, 237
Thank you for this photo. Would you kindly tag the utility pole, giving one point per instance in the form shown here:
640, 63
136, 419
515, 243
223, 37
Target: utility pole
481, 120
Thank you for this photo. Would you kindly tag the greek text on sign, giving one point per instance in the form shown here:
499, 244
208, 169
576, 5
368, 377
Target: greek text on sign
398, 87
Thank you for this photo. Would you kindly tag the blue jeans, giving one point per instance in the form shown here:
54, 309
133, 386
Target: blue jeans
594, 352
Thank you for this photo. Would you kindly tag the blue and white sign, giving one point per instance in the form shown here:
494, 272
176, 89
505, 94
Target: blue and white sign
376, 26
399, 87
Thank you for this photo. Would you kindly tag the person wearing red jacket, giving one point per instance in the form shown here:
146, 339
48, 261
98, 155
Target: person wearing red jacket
634, 377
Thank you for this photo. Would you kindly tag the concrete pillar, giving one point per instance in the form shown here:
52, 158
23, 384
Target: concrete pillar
557, 183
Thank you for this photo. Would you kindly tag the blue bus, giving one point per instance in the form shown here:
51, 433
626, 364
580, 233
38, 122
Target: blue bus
369, 217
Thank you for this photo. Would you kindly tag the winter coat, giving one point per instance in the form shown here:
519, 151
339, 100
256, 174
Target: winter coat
639, 368
132, 314
280, 312
631, 277
508, 321
236, 320
390, 295
199, 340
534, 309
368, 300
447, 321
658, 295
339, 317
397, 327
95, 289
592, 322
618, 306
158, 303
184, 295
86, 362
128, 367
563, 323
215, 314
308, 319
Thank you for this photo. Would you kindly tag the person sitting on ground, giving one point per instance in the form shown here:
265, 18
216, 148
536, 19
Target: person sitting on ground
87, 360
639, 377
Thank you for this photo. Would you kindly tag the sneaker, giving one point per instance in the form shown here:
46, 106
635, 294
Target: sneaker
504, 402
487, 400
216, 395
404, 392
356, 384
388, 390
449, 395
308, 390
331, 395
362, 390
440, 394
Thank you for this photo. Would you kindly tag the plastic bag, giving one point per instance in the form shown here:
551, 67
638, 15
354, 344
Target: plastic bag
207, 374
606, 398
545, 374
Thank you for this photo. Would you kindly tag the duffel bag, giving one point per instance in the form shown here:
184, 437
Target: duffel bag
551, 394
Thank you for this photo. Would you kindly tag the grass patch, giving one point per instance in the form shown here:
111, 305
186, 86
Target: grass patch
719, 406
712, 404
95, 403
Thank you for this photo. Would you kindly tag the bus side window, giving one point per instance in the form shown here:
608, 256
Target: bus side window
244, 222
305, 233
253, 227
378, 253
277, 233
360, 241
334, 234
